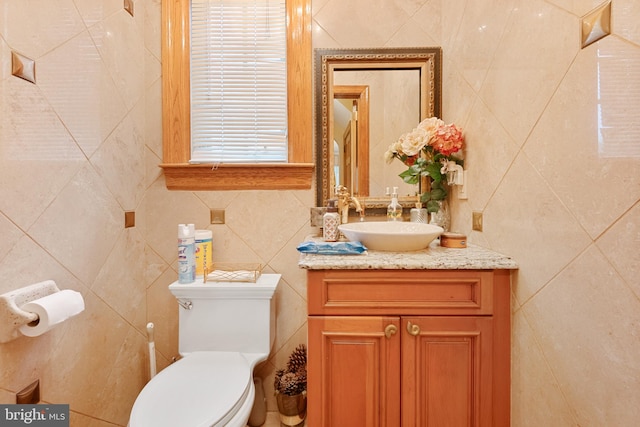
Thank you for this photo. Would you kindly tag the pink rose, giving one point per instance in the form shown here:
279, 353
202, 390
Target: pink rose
447, 139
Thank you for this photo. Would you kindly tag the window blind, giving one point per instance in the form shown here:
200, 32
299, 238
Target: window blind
238, 81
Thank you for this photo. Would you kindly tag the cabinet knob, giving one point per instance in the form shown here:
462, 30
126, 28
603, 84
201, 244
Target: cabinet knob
390, 330
413, 329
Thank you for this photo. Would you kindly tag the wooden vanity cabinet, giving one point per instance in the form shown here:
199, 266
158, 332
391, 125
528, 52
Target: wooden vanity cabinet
390, 348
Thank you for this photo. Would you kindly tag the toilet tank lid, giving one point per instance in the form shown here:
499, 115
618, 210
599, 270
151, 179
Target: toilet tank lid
198, 390
263, 288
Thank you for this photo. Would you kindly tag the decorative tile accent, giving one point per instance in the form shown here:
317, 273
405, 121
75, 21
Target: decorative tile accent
217, 216
129, 219
596, 24
23, 67
128, 6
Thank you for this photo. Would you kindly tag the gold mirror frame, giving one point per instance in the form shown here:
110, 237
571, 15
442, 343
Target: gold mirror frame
427, 60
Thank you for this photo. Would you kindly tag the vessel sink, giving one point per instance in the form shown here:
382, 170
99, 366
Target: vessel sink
391, 235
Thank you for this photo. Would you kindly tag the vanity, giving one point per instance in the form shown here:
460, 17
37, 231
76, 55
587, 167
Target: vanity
416, 338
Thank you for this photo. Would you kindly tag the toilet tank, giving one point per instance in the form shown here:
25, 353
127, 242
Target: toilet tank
227, 316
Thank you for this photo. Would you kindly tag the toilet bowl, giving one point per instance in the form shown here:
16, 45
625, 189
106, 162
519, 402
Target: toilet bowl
202, 389
228, 329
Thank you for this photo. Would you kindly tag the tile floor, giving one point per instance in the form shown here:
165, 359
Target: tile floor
273, 420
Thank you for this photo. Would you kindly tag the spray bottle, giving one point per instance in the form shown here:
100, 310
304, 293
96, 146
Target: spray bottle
186, 253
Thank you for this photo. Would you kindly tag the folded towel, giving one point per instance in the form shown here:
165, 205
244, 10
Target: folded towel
332, 248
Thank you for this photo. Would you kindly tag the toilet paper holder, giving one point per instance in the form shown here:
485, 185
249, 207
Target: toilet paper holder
12, 317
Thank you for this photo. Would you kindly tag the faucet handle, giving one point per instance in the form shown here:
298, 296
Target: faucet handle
342, 191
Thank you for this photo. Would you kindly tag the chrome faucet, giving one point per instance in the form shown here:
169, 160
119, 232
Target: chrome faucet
344, 203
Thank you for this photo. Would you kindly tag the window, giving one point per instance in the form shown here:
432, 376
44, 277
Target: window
180, 172
238, 81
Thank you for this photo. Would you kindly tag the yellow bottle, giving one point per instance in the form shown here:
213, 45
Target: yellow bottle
204, 251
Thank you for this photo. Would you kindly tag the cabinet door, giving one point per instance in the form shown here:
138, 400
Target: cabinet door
447, 371
353, 371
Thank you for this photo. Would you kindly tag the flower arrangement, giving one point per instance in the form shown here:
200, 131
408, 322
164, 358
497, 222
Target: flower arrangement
427, 151
293, 379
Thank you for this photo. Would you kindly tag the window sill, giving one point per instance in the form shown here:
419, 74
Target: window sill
268, 176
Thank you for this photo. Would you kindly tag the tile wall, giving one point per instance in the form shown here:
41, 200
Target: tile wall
75, 152
552, 158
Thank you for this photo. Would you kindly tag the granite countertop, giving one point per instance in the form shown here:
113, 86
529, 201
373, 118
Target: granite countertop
435, 257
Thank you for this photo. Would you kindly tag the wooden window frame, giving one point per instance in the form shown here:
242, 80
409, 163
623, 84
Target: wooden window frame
176, 109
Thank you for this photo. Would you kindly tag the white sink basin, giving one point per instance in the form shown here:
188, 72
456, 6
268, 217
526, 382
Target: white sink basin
391, 235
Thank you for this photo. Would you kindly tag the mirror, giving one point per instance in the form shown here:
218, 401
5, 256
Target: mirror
365, 100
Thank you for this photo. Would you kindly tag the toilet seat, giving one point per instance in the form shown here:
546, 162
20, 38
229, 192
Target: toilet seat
203, 389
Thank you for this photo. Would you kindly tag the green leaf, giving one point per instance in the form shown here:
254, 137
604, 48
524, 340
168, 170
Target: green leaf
433, 206
434, 171
438, 194
439, 190
413, 180
410, 176
436, 184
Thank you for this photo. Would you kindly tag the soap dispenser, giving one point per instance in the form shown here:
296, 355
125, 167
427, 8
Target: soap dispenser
418, 213
330, 223
394, 210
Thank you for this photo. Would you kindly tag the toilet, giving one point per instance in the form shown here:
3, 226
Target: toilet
225, 329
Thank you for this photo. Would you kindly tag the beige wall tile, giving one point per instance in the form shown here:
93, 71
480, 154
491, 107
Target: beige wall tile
537, 398
478, 37
162, 311
5, 60
152, 25
121, 45
489, 155
39, 156
513, 78
130, 373
7, 397
38, 26
123, 280
617, 245
76, 70
586, 320
120, 160
78, 369
385, 16
535, 50
90, 227
625, 24
94, 11
527, 221
568, 145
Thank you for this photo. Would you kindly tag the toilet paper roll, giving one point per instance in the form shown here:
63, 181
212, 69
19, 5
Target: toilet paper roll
51, 310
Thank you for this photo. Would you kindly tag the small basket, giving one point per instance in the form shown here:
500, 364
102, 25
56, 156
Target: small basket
234, 272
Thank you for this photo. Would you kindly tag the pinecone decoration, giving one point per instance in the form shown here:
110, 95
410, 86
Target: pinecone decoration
302, 379
293, 379
277, 379
290, 384
298, 359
